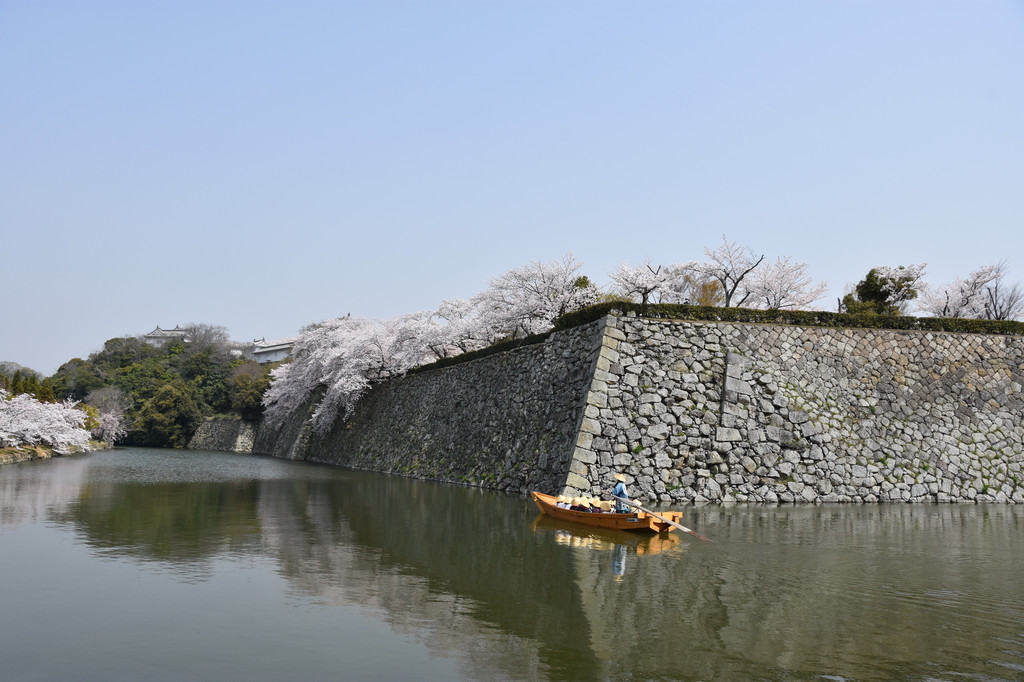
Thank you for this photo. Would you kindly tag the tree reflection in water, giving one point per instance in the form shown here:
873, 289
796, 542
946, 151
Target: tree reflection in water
479, 578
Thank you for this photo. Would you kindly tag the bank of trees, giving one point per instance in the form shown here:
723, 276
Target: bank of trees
158, 395
732, 275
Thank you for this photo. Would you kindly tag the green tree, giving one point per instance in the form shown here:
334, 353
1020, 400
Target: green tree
119, 353
75, 378
195, 368
169, 418
17, 383
141, 380
884, 291
247, 383
207, 369
45, 392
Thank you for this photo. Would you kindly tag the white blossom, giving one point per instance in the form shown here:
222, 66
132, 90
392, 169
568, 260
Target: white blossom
901, 284
343, 356
730, 264
981, 295
26, 421
462, 328
111, 404
644, 283
783, 284
960, 298
528, 300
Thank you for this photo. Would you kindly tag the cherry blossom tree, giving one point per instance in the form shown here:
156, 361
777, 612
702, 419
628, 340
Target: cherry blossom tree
901, 284
730, 264
344, 356
689, 284
26, 421
960, 298
111, 403
462, 327
783, 284
1003, 301
885, 291
642, 281
111, 428
527, 300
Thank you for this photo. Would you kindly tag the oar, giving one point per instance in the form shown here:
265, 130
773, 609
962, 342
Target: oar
659, 516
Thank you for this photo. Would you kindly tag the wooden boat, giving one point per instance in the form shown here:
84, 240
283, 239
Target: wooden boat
636, 521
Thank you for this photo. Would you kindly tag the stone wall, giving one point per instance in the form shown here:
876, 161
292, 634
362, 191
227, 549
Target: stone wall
759, 413
228, 435
702, 411
508, 421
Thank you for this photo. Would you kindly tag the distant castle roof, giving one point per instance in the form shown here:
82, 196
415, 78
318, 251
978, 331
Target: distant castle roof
159, 334
264, 352
264, 346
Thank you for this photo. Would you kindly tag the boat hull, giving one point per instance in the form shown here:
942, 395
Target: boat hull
638, 521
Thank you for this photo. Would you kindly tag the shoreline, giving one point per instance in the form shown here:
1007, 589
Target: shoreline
29, 453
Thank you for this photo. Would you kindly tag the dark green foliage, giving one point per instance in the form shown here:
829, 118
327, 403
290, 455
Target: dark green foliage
120, 353
166, 390
871, 297
28, 382
45, 392
207, 370
76, 378
247, 383
168, 419
868, 297
140, 381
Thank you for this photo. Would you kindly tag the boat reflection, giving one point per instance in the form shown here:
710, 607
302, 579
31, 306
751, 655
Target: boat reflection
618, 543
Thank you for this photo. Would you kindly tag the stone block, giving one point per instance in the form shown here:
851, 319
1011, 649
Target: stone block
728, 435
737, 386
578, 467
798, 416
658, 431
575, 480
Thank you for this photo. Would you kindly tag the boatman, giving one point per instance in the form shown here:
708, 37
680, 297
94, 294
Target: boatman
620, 491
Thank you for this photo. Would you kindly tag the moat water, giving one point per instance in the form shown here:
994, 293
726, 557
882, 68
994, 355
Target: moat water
173, 565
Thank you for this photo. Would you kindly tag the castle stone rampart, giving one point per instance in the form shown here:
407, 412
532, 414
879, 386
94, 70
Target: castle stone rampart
703, 411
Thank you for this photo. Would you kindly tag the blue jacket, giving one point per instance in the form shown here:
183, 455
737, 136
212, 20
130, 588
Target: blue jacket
620, 491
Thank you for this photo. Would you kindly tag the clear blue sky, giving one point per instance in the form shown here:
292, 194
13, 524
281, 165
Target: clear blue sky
264, 165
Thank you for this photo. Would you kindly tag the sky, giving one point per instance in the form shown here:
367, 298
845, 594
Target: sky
266, 165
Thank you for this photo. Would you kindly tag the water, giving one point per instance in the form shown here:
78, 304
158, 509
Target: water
170, 565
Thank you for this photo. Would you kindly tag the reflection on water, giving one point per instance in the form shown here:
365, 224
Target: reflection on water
474, 584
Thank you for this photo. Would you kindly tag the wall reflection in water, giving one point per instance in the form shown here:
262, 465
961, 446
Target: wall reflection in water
853, 592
